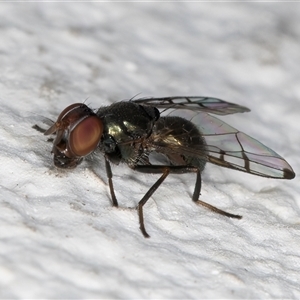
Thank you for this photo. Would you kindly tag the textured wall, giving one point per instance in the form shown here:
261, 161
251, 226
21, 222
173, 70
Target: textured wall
59, 235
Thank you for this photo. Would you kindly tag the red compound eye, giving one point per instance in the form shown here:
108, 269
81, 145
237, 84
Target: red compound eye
85, 136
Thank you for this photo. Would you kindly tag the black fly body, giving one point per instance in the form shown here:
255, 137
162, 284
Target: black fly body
185, 135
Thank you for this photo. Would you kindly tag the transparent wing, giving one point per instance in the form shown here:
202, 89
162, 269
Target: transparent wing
205, 104
230, 148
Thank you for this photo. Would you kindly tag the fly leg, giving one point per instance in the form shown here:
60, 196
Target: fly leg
38, 128
196, 199
146, 198
110, 183
42, 130
166, 170
154, 169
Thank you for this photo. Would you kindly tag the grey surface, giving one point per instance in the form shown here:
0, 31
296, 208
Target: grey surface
59, 235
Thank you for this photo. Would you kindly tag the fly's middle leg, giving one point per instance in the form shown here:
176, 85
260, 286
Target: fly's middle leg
154, 169
166, 170
146, 198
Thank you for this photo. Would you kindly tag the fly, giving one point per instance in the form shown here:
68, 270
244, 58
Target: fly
185, 135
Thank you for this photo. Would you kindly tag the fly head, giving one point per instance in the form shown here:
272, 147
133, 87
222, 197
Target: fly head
78, 132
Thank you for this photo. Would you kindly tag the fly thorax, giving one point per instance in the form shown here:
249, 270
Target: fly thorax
108, 144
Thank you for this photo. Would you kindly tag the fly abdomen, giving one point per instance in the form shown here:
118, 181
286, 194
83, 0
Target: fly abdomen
180, 141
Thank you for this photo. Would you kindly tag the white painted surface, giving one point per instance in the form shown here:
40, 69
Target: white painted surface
59, 235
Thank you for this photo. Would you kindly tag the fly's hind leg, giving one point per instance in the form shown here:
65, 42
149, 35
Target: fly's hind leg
38, 128
196, 199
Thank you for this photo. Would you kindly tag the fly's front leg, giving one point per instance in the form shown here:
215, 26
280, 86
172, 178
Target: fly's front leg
38, 128
110, 183
42, 130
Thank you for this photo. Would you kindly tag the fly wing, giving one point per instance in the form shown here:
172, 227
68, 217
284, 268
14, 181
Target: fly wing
205, 104
230, 148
